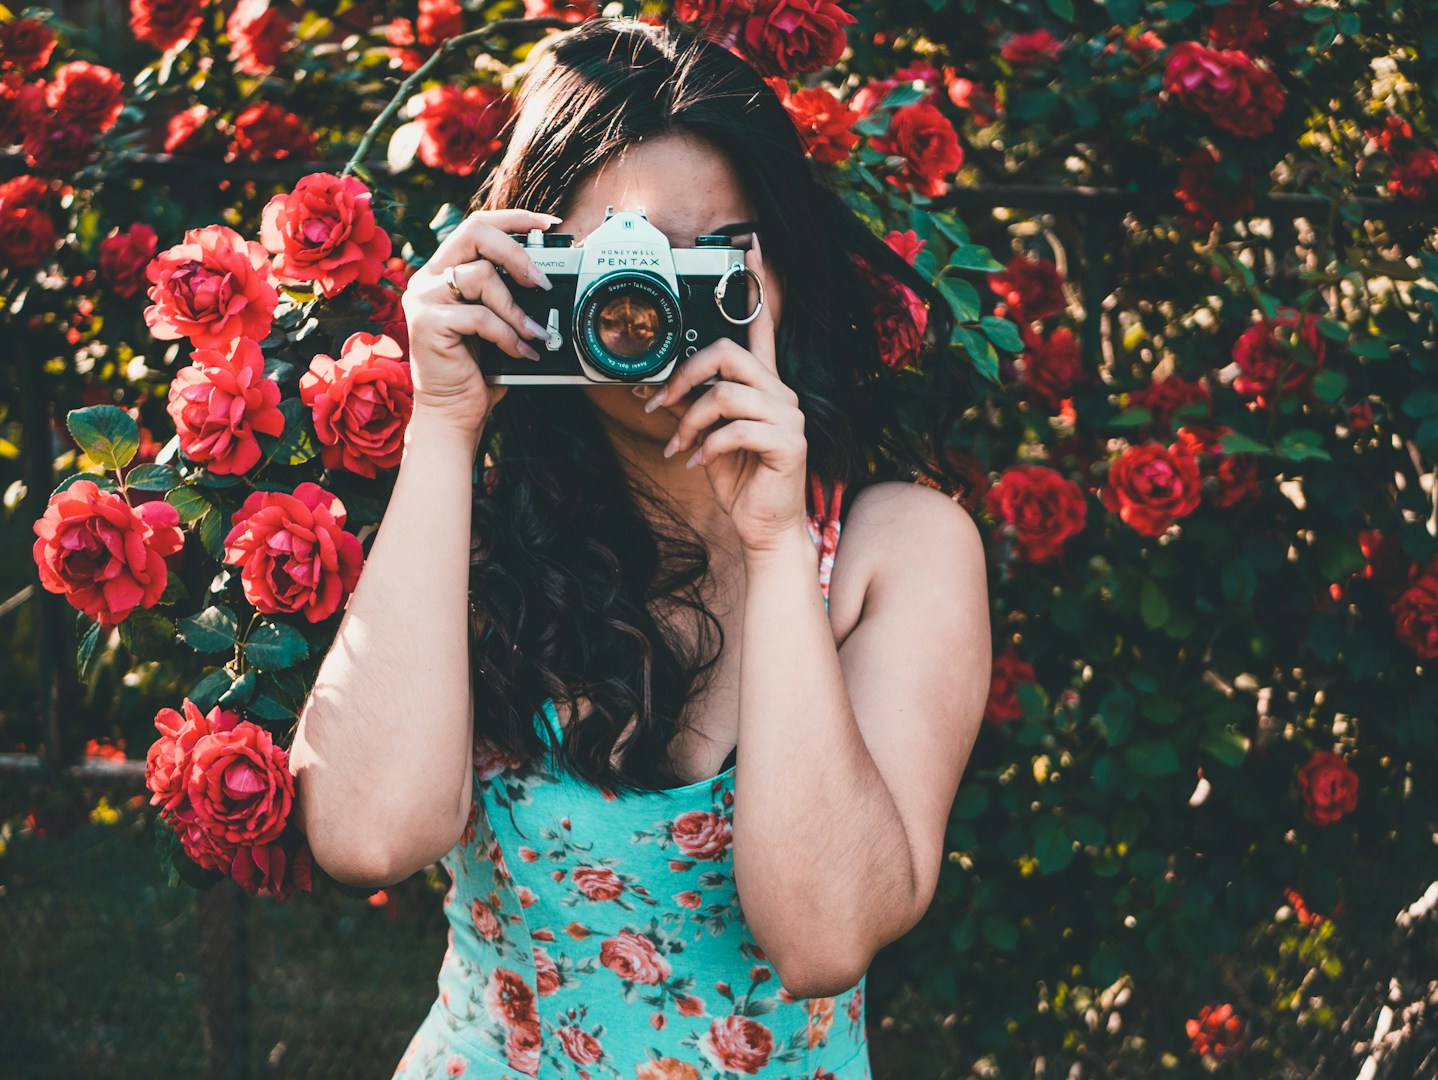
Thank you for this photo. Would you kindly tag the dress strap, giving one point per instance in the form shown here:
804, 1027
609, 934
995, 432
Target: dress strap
824, 526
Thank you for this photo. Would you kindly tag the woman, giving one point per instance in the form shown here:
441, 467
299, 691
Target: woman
641, 576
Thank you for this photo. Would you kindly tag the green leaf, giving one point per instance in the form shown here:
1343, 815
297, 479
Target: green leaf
153, 478
263, 707
1151, 757
212, 533
1152, 604
1334, 331
205, 694
1300, 444
1370, 349
1000, 932
101, 481
190, 503
85, 651
1002, 333
971, 801
274, 646
107, 433
1421, 402
147, 635
904, 94
1135, 417
1052, 849
1329, 385
1088, 831
240, 691
1064, 9
1227, 746
1122, 11
973, 257
962, 297
212, 630
1234, 442
951, 227
295, 445
1239, 581
446, 219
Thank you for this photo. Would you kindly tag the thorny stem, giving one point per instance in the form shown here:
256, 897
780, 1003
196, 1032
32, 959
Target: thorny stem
410, 84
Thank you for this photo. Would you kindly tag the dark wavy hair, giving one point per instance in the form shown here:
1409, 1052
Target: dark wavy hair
566, 563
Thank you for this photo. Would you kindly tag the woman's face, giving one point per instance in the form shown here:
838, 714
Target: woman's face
687, 188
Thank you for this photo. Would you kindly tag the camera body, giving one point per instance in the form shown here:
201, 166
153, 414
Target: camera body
625, 307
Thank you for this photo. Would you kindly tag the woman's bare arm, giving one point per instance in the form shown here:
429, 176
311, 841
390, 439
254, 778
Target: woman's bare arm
383, 752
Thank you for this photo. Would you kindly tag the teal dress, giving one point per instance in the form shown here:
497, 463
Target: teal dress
594, 936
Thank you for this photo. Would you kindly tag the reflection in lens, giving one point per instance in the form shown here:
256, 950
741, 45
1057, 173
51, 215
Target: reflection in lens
628, 324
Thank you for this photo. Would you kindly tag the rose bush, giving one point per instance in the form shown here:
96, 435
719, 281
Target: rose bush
1191, 407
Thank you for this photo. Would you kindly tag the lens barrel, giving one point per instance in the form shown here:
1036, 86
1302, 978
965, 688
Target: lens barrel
628, 324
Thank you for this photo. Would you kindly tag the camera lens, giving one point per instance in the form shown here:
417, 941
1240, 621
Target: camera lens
627, 324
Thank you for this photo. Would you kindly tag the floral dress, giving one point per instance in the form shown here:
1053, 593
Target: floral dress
595, 936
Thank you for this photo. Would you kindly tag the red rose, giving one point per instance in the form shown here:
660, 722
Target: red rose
166, 23
219, 402
186, 131
1039, 508
324, 232
266, 132
569, 10
1329, 787
486, 924
547, 979
906, 244
105, 556
784, 37
974, 98
702, 834
212, 288
239, 786
872, 94
522, 1044
508, 998
270, 869
634, 958
1246, 24
822, 120
124, 256
25, 45
1052, 366
737, 1044
1259, 356
361, 403
1151, 487
400, 35
1009, 671
689, 899
581, 1047
597, 883
1415, 177
86, 94
1227, 86
714, 10
1360, 418
1027, 50
1206, 200
1165, 397
1235, 475
22, 108
438, 21
927, 142
459, 129
1394, 137
1032, 288
1387, 564
1415, 612
57, 147
167, 764
294, 552
1216, 1031
900, 317
27, 233
258, 31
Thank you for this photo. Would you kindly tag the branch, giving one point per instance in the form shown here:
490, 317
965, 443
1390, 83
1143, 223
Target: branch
446, 48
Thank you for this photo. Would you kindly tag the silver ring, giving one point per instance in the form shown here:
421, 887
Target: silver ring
723, 287
448, 276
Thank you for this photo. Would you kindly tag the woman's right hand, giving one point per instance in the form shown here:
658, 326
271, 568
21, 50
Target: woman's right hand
443, 361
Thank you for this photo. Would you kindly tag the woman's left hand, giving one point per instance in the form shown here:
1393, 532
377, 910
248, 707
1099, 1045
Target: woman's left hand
756, 459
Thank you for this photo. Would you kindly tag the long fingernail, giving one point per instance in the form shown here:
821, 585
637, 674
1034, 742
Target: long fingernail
528, 350
654, 402
694, 458
540, 278
669, 448
534, 329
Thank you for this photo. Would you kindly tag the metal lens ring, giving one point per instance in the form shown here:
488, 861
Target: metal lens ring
628, 324
723, 286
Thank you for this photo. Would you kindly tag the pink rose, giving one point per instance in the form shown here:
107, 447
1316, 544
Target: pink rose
360, 403
582, 1047
212, 288
597, 882
737, 1044
167, 764
239, 785
258, 31
106, 557
293, 551
324, 232
634, 958
702, 834
219, 402
124, 256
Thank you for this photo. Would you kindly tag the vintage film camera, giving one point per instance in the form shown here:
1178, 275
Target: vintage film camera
626, 306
